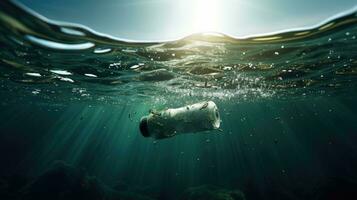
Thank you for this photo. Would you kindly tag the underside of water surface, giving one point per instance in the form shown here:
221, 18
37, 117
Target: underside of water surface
72, 99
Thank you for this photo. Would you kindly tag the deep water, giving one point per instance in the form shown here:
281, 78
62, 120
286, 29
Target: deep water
71, 101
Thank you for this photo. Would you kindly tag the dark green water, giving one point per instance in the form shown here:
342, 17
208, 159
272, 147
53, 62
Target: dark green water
71, 101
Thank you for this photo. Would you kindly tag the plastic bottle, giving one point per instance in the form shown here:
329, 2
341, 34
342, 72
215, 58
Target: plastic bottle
194, 118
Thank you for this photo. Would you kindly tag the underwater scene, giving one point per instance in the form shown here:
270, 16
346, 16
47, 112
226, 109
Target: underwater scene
84, 115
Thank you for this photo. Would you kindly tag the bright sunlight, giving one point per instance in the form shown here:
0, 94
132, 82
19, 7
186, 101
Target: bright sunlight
206, 15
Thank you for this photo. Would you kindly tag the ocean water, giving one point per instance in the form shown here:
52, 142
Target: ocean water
72, 99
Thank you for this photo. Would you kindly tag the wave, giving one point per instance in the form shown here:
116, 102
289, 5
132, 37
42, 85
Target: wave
55, 60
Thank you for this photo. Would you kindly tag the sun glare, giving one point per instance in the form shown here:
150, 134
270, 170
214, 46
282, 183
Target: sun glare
206, 15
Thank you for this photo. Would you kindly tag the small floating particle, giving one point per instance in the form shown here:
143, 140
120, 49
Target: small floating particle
114, 64
227, 68
66, 79
33, 74
61, 72
36, 91
90, 75
99, 50
134, 67
129, 50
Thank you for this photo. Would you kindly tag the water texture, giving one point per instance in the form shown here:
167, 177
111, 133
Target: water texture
42, 58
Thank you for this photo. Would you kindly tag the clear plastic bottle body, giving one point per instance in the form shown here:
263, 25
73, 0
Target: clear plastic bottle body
193, 118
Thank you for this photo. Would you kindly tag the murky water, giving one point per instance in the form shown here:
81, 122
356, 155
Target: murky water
289, 119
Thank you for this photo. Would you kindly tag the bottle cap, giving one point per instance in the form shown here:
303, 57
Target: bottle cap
144, 127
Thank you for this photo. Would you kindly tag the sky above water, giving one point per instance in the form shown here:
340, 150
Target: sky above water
168, 19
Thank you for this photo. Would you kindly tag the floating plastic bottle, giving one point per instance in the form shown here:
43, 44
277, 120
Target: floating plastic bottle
203, 116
